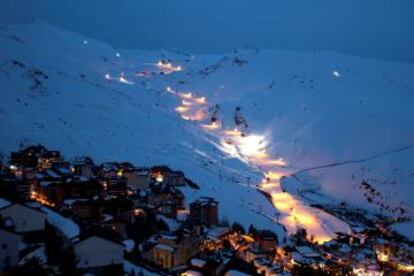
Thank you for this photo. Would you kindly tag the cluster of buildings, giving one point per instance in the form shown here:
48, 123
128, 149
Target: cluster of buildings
114, 218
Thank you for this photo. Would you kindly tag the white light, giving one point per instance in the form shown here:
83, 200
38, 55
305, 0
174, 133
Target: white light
336, 74
252, 145
169, 89
124, 80
85, 42
159, 178
118, 55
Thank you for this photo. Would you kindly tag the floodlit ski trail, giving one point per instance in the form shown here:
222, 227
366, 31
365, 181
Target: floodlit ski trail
252, 149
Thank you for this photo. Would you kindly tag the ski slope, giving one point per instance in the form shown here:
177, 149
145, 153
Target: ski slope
325, 121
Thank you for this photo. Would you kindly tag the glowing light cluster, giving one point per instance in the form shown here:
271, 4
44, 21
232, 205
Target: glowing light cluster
42, 199
168, 67
212, 126
192, 108
252, 145
122, 78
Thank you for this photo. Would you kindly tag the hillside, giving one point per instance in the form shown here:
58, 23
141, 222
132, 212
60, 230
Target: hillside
325, 121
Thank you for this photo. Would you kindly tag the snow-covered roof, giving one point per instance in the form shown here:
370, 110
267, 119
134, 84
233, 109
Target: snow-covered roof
52, 174
198, 262
344, 248
64, 170
166, 247
24, 218
217, 232
107, 217
299, 258
67, 226
72, 201
233, 272
182, 215
96, 251
4, 203
171, 223
136, 269
129, 245
38, 253
307, 251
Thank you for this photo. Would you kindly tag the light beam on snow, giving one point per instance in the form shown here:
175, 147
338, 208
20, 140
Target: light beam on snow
251, 145
186, 103
168, 67
212, 126
170, 90
186, 95
182, 109
122, 79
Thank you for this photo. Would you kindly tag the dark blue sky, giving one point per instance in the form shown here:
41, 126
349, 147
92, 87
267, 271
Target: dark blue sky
376, 28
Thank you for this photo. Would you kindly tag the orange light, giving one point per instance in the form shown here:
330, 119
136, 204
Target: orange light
186, 95
234, 132
212, 126
186, 103
181, 109
201, 100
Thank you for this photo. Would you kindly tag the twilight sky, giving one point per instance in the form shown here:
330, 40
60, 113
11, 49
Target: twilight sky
374, 28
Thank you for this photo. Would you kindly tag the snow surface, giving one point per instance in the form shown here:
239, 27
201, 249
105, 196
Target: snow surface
335, 119
38, 253
136, 270
67, 226
129, 245
4, 203
404, 228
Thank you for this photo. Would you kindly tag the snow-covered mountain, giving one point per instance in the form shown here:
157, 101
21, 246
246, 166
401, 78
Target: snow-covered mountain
340, 128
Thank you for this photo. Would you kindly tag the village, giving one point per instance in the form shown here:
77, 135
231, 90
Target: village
77, 217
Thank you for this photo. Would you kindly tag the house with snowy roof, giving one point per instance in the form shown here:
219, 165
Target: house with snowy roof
66, 226
27, 221
136, 178
162, 193
266, 240
171, 250
83, 166
97, 255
